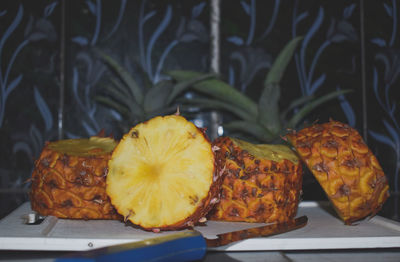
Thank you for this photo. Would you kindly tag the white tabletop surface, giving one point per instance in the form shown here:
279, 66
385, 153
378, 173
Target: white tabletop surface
324, 231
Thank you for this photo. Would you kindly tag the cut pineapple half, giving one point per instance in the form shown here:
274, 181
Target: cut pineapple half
345, 167
69, 179
261, 183
161, 174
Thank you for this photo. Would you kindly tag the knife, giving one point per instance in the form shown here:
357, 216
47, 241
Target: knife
182, 246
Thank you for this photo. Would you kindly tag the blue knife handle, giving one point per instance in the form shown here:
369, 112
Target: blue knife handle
182, 246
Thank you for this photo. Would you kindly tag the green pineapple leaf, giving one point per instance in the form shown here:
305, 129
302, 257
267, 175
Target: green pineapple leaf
217, 89
312, 105
268, 108
206, 103
124, 75
156, 97
268, 104
280, 64
144, 77
114, 105
185, 84
119, 93
252, 129
296, 103
121, 88
166, 110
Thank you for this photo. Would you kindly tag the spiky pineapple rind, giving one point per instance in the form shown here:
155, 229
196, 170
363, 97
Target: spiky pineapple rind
256, 189
344, 166
70, 185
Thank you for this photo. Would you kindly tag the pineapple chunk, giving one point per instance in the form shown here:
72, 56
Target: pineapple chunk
161, 174
261, 183
345, 167
68, 180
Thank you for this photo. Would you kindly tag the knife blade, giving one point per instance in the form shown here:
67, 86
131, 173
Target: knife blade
263, 231
182, 246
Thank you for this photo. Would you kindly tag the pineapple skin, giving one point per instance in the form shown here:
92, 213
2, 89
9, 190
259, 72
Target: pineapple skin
71, 186
204, 206
255, 189
345, 167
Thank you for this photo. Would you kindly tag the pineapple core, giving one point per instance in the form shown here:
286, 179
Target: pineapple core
160, 172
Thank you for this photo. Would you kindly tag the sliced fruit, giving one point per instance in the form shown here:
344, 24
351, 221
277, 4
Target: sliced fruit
345, 167
69, 179
162, 175
262, 183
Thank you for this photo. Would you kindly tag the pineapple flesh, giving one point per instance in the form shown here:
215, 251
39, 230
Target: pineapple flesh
162, 175
345, 167
69, 179
261, 183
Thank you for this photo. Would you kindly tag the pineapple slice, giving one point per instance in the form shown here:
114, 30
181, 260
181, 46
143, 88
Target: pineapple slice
161, 174
261, 183
68, 180
345, 168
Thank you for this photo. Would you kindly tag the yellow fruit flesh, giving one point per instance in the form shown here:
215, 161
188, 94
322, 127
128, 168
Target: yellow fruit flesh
84, 147
160, 171
275, 153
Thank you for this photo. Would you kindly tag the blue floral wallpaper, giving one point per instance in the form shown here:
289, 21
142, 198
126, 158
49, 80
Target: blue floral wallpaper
53, 74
